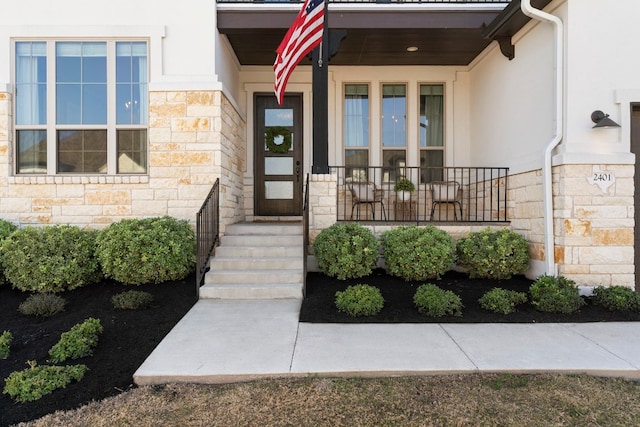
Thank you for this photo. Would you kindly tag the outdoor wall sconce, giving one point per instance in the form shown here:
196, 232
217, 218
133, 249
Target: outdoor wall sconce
602, 120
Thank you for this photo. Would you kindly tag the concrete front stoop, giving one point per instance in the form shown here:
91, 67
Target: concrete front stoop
257, 261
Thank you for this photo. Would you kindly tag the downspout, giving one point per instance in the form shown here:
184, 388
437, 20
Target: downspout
547, 176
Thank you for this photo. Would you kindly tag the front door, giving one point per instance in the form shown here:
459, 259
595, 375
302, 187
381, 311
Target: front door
278, 155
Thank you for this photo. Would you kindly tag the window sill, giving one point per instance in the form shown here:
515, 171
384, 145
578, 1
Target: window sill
68, 179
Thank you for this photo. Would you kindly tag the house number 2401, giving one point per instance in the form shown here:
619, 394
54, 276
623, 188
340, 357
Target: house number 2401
602, 177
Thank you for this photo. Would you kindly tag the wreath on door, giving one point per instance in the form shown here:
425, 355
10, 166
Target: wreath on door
278, 131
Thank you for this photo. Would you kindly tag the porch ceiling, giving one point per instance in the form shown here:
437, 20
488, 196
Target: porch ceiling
377, 34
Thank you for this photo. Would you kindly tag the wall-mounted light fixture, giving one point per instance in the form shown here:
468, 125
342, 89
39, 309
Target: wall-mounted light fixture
602, 120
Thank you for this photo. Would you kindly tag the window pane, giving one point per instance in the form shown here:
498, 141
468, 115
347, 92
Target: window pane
431, 115
31, 83
32, 151
68, 103
94, 104
81, 83
394, 164
356, 162
394, 112
82, 151
132, 151
431, 163
356, 116
131, 79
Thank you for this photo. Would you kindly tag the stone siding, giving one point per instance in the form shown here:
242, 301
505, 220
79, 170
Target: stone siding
194, 137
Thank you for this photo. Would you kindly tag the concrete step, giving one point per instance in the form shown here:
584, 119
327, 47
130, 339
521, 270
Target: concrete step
257, 277
257, 228
258, 251
268, 240
253, 263
251, 291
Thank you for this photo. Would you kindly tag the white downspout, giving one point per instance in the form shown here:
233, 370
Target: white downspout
547, 177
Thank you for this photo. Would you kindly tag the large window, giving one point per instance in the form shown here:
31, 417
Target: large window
81, 107
431, 132
356, 131
394, 130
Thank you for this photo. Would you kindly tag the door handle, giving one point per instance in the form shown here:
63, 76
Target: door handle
297, 170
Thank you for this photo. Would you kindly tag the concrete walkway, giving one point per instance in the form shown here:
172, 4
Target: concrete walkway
237, 340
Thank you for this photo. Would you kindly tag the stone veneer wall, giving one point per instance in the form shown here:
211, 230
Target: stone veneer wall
594, 240
194, 138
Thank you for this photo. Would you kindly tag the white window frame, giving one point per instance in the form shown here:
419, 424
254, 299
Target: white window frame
52, 127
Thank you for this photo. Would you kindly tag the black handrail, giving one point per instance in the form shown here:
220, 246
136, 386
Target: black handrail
305, 231
374, 1
441, 194
207, 231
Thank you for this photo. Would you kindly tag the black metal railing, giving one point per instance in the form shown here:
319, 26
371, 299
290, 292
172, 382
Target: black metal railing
305, 235
460, 194
207, 231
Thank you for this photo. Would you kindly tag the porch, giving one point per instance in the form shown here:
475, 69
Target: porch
441, 194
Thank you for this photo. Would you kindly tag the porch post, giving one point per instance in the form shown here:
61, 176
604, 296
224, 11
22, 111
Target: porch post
320, 76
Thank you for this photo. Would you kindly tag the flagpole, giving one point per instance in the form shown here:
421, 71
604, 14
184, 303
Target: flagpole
320, 76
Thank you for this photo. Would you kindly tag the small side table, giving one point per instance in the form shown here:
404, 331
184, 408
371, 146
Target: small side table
404, 210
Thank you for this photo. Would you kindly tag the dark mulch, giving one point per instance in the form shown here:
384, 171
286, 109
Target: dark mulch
319, 306
129, 337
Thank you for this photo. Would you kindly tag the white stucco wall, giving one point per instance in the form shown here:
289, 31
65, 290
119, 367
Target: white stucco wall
182, 43
602, 60
511, 102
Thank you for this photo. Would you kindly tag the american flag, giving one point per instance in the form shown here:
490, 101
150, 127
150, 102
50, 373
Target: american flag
304, 35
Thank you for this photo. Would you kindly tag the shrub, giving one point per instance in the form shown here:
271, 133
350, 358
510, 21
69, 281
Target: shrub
555, 295
50, 259
618, 298
404, 184
5, 344
42, 305
149, 250
418, 253
132, 300
34, 382
78, 342
346, 251
6, 228
493, 254
435, 302
360, 300
502, 301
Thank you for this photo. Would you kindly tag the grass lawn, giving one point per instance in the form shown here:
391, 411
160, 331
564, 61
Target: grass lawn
459, 400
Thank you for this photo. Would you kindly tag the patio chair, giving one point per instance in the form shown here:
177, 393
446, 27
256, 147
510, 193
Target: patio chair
366, 193
446, 192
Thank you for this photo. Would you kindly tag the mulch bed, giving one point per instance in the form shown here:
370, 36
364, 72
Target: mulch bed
319, 303
129, 337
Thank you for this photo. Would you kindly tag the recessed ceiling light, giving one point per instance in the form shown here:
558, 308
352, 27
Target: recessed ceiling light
412, 48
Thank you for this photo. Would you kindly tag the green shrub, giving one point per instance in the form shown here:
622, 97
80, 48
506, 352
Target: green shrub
618, 298
418, 253
346, 251
555, 295
132, 300
360, 300
78, 342
149, 250
6, 228
502, 301
34, 382
5, 344
493, 254
42, 305
50, 259
435, 302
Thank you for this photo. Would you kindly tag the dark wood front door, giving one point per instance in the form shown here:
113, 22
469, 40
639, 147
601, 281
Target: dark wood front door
278, 155
635, 149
